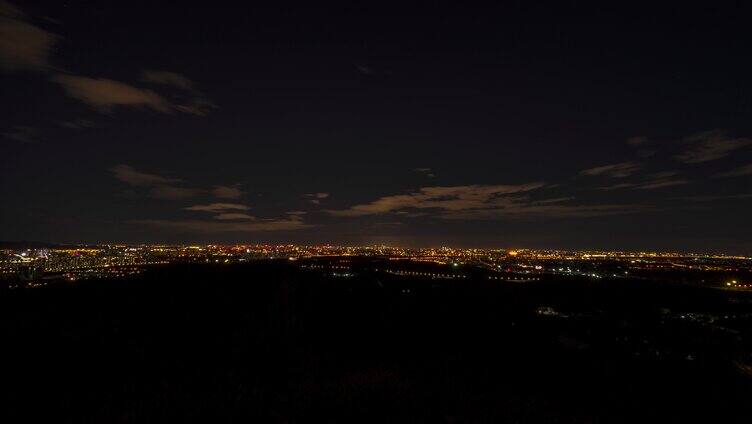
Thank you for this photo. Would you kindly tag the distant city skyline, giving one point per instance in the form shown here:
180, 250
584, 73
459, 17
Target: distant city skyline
70, 263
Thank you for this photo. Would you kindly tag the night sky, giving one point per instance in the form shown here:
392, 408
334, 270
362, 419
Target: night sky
522, 125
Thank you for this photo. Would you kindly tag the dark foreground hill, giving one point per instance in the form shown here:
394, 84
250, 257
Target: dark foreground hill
268, 342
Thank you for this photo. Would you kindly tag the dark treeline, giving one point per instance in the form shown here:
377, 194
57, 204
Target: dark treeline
269, 342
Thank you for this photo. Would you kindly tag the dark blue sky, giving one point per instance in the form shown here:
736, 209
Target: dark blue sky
563, 126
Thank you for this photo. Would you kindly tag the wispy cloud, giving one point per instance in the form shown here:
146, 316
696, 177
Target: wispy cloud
365, 70
188, 99
638, 141
664, 174
26, 47
477, 202
290, 223
616, 170
714, 198
227, 192
425, 171
23, 46
229, 217
218, 207
22, 134
167, 78
660, 183
104, 94
653, 181
316, 198
77, 124
442, 198
527, 210
615, 186
7, 9
196, 106
709, 146
129, 175
233, 216
160, 187
175, 193
737, 172
224, 211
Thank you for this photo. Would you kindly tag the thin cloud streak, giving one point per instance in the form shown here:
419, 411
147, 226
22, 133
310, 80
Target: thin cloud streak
129, 175
218, 207
234, 216
167, 78
638, 141
292, 223
159, 187
738, 172
22, 134
616, 170
103, 94
23, 46
494, 202
714, 198
227, 192
175, 193
709, 146
535, 210
615, 186
661, 184
442, 198
316, 198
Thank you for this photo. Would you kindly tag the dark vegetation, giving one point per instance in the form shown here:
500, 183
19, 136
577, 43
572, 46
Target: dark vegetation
269, 342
